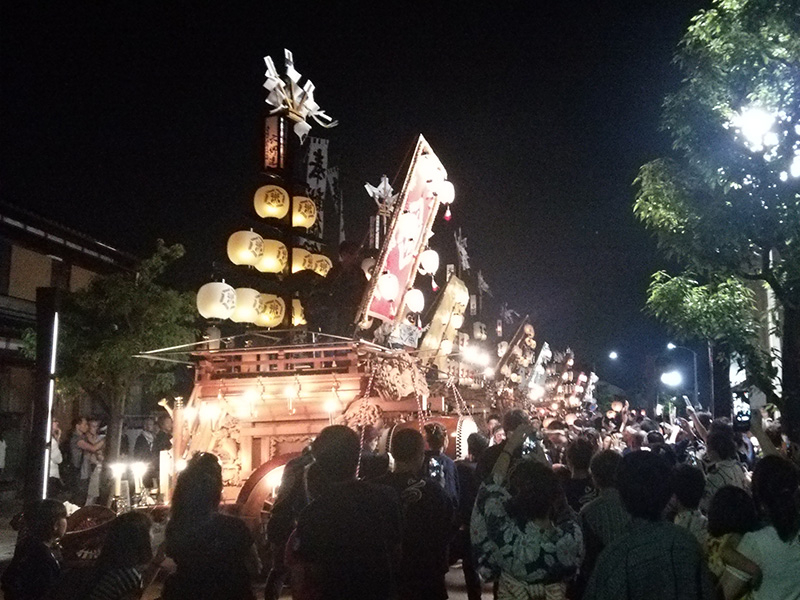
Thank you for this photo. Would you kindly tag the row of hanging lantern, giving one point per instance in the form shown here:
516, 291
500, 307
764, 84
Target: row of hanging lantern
218, 300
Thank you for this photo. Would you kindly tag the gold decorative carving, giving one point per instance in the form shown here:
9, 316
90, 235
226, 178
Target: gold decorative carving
276, 440
397, 377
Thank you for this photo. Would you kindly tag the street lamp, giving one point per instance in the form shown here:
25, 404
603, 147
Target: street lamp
672, 378
671, 346
613, 355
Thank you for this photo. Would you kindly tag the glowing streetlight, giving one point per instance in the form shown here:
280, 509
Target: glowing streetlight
671, 346
755, 125
672, 378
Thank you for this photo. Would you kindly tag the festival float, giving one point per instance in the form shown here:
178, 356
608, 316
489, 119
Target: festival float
286, 354
278, 366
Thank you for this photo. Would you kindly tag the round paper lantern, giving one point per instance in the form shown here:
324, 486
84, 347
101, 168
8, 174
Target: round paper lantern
302, 259
246, 306
274, 258
616, 406
502, 348
367, 265
245, 248
304, 213
446, 346
528, 329
216, 300
429, 262
408, 225
415, 301
457, 321
446, 192
271, 201
388, 286
322, 264
298, 314
270, 310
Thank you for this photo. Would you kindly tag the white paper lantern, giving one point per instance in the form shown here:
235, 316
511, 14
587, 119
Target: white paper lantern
479, 331
274, 258
446, 192
388, 286
446, 346
304, 213
271, 310
216, 300
322, 264
298, 314
457, 321
246, 306
502, 348
367, 265
429, 262
245, 248
271, 201
301, 260
415, 301
408, 225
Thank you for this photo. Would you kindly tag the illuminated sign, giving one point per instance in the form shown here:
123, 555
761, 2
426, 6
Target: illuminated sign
406, 237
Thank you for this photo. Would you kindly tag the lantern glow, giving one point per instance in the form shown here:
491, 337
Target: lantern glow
274, 258
271, 201
415, 301
216, 300
304, 213
246, 305
245, 248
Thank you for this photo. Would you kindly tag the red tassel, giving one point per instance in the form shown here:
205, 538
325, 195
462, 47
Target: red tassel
434, 287
447, 214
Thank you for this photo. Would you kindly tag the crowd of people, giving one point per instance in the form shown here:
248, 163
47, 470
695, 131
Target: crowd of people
611, 506
76, 460
605, 508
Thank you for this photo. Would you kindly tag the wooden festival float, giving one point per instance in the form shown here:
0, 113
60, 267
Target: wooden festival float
267, 382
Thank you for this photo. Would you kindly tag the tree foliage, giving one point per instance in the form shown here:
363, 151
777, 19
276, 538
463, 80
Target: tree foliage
115, 318
726, 199
722, 311
119, 316
726, 203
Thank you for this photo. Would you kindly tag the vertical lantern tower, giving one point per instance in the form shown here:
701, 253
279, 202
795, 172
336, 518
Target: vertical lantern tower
284, 245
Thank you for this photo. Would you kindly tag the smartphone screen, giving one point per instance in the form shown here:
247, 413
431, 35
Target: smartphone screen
741, 413
435, 469
528, 446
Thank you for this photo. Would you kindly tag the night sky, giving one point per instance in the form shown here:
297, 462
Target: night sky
133, 121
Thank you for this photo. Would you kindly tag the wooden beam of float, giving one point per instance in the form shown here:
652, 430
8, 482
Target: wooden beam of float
409, 229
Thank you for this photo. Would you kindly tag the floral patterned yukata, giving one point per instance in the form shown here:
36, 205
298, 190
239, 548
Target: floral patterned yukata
530, 562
